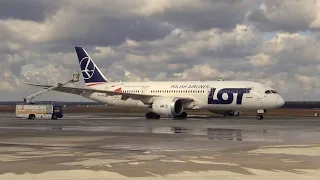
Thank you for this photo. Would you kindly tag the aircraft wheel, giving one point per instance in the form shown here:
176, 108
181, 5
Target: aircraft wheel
259, 117
183, 115
152, 116
231, 114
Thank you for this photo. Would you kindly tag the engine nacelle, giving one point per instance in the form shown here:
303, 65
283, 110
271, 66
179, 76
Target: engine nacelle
167, 106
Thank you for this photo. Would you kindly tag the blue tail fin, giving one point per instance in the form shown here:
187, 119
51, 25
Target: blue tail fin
90, 71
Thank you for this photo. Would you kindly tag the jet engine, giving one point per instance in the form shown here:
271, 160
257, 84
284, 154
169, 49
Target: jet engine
167, 106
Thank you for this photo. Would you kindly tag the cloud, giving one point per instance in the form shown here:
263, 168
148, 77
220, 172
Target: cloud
76, 24
260, 59
148, 40
103, 23
200, 14
287, 15
181, 50
33, 10
205, 71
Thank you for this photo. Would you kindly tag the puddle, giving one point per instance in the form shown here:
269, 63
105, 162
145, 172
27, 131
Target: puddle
209, 133
218, 133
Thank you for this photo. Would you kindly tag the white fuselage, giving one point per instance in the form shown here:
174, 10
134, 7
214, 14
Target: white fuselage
211, 95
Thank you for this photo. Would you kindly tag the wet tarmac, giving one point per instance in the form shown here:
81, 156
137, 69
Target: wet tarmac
115, 146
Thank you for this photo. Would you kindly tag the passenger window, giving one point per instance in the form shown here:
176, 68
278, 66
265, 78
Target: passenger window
268, 92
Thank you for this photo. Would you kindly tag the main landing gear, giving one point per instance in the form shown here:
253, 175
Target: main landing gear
151, 115
183, 115
260, 114
231, 113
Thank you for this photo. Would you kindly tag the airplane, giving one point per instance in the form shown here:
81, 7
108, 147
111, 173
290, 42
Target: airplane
172, 98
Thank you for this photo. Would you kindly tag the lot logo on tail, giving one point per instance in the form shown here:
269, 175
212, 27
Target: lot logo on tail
87, 68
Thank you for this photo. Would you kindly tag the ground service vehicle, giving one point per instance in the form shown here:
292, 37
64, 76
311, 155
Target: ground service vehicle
45, 111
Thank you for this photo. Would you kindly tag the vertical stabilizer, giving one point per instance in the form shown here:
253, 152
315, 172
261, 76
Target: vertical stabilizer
90, 71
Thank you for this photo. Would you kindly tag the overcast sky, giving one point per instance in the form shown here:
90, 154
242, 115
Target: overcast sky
273, 42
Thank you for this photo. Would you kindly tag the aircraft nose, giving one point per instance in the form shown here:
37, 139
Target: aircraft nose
280, 101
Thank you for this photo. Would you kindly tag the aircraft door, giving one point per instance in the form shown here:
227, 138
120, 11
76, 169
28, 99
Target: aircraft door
258, 94
255, 94
210, 93
250, 94
144, 89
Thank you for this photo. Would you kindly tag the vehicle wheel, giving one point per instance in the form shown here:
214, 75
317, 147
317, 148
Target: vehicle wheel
31, 116
54, 116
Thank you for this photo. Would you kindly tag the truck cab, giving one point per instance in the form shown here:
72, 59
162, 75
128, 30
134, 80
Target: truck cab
57, 112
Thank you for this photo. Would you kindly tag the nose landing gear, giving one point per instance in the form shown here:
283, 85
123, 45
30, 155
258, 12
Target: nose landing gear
259, 117
260, 114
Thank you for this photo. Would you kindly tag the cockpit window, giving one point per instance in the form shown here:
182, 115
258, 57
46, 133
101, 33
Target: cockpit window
274, 92
267, 92
271, 92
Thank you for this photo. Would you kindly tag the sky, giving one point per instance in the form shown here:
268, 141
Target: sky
274, 42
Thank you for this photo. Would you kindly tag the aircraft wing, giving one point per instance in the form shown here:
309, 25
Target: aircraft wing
79, 91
